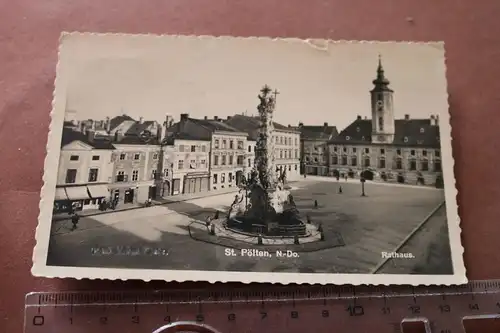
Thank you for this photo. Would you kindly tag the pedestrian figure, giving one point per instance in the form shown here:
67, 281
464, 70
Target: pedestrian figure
308, 219
320, 227
304, 176
338, 177
296, 240
259, 239
322, 236
212, 230
340, 189
315, 203
74, 220
216, 217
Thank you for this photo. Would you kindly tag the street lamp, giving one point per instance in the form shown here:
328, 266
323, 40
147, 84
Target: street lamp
363, 180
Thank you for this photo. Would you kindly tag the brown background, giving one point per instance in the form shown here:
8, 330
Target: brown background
29, 32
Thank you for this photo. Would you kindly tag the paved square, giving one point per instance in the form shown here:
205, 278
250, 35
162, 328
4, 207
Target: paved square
369, 225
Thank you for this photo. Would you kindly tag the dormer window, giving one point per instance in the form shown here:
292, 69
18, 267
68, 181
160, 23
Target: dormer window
348, 138
362, 138
422, 130
358, 129
405, 139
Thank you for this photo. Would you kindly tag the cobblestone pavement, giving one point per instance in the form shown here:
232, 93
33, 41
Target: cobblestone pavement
157, 237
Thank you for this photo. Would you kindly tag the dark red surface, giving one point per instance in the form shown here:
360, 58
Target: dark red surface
29, 32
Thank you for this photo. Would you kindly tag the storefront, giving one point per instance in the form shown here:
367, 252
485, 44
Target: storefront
80, 197
196, 182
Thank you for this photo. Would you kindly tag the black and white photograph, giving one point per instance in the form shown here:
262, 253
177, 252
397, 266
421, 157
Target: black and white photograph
198, 158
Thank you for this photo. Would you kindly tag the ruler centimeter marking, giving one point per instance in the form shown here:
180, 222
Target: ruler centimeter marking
265, 309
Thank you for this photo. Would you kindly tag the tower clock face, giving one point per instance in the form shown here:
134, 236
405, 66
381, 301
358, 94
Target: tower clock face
380, 105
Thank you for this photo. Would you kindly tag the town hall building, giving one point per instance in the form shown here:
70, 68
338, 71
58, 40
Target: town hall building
385, 148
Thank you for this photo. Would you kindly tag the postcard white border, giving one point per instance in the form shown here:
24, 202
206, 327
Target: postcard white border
40, 268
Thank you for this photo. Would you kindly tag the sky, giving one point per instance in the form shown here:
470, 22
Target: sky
318, 81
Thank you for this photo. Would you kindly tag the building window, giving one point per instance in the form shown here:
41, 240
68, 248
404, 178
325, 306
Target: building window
224, 146
380, 123
74, 158
354, 161
412, 152
230, 177
216, 144
249, 149
307, 158
165, 172
315, 160
295, 167
240, 144
153, 174
120, 176
240, 160
203, 148
215, 179
181, 148
424, 165
95, 158
180, 164
249, 162
354, 150
399, 164
344, 160
93, 175
122, 157
295, 141
367, 150
437, 166
281, 154
137, 156
135, 175
335, 160
231, 159
398, 151
193, 148
296, 153
289, 168
382, 151
335, 149
413, 165
70, 176
216, 160
424, 152
223, 178
203, 162
231, 144
381, 163
223, 160
155, 156
192, 164
437, 153
344, 150
367, 162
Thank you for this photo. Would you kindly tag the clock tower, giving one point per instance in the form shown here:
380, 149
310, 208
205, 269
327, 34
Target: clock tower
383, 127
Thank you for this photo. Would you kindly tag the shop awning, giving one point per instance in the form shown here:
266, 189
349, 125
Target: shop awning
60, 194
77, 193
98, 191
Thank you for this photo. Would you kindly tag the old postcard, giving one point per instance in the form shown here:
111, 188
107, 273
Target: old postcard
249, 159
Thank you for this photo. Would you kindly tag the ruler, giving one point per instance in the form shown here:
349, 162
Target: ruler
265, 309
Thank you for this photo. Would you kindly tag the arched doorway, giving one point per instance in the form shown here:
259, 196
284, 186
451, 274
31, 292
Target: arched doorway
239, 177
165, 189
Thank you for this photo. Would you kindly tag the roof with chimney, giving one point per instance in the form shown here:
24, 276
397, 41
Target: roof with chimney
251, 125
116, 121
408, 132
69, 135
198, 129
324, 132
138, 127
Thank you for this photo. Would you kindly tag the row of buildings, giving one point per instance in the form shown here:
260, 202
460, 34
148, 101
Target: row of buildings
128, 161
123, 160
382, 148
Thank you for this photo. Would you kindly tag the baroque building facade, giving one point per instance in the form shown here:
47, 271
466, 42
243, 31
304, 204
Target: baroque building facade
401, 150
314, 147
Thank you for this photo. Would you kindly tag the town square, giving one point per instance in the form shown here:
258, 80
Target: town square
366, 230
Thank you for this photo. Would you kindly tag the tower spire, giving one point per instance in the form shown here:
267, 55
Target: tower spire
381, 83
